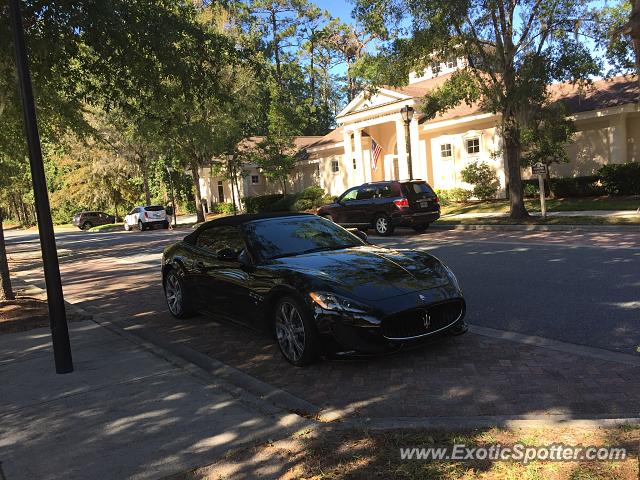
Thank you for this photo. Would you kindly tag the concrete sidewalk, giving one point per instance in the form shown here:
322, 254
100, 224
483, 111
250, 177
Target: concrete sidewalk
124, 413
585, 213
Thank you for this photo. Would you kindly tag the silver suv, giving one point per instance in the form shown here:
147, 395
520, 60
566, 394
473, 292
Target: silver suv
145, 217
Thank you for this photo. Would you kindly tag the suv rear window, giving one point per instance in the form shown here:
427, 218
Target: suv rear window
154, 208
417, 189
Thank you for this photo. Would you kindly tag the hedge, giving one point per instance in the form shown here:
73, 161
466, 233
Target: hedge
620, 179
586, 186
309, 198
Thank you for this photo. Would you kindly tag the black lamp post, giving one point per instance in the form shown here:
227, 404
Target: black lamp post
407, 115
232, 169
173, 197
55, 298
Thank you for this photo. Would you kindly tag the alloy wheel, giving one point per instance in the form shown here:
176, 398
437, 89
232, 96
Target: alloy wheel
173, 292
290, 331
382, 225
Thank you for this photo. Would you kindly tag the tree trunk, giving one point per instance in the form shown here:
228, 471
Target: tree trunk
6, 291
276, 47
145, 181
511, 135
196, 182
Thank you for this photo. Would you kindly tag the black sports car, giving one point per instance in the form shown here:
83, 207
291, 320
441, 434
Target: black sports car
318, 287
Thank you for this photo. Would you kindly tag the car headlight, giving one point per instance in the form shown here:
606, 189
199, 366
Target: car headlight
331, 301
452, 278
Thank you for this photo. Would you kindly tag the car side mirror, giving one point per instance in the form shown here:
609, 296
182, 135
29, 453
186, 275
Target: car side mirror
335, 200
227, 255
360, 234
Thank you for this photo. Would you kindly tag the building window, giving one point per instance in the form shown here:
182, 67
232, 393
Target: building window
355, 164
473, 145
445, 150
335, 166
255, 179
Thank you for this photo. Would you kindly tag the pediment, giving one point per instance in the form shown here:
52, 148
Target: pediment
367, 101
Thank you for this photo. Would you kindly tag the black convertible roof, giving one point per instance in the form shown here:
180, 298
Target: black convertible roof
235, 220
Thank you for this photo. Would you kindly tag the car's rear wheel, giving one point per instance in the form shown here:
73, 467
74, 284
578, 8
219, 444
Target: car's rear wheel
382, 224
295, 332
87, 225
174, 292
420, 228
140, 226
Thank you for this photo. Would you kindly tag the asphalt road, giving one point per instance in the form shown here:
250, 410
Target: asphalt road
578, 288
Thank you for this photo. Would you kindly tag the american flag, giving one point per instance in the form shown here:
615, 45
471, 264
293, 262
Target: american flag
376, 150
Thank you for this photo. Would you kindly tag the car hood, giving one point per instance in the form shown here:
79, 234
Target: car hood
370, 273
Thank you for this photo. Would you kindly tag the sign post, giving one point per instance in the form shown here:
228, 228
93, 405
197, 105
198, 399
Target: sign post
540, 169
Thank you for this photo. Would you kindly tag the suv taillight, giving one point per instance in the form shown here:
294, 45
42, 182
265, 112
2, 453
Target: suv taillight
146, 214
437, 200
402, 203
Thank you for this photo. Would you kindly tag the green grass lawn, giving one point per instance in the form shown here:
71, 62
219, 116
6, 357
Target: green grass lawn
107, 227
553, 205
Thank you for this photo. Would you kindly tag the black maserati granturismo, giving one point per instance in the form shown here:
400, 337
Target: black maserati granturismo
318, 288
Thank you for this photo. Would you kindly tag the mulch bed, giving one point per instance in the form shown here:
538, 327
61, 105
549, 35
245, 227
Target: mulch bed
27, 313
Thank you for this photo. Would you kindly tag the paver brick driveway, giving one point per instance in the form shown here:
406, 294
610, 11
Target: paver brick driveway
472, 375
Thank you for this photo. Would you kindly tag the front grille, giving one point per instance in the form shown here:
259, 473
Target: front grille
411, 323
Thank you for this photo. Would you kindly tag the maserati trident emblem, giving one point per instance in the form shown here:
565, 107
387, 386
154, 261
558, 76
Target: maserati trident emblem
426, 318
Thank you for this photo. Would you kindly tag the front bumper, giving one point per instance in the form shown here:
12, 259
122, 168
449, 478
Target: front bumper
366, 334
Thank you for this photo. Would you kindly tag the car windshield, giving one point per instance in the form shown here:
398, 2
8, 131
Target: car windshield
289, 236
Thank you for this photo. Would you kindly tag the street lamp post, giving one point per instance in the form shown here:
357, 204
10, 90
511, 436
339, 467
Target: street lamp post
55, 298
407, 115
173, 197
232, 169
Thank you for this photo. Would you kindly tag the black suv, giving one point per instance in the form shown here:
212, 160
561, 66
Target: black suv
87, 220
385, 205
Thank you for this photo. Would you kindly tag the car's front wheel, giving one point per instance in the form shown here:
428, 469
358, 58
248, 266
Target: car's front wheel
383, 226
87, 225
127, 227
295, 332
174, 292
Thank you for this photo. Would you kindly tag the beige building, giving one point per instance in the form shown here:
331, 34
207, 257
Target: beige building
607, 120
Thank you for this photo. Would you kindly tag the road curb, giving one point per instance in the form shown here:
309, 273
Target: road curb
539, 228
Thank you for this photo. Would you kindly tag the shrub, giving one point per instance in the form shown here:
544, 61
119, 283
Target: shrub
308, 199
221, 208
620, 179
530, 189
260, 203
483, 178
460, 195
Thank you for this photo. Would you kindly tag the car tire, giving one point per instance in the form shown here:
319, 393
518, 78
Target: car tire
87, 225
382, 225
165, 225
295, 332
174, 293
420, 228
127, 227
141, 226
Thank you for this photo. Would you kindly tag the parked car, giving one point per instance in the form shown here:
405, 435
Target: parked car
145, 217
87, 220
318, 288
385, 205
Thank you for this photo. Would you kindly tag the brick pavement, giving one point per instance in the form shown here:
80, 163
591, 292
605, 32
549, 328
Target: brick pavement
471, 375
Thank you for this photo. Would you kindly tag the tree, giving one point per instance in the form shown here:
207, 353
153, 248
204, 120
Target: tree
512, 50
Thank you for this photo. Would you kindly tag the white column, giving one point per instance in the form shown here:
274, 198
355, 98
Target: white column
366, 161
387, 160
357, 154
403, 168
419, 164
348, 157
618, 139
